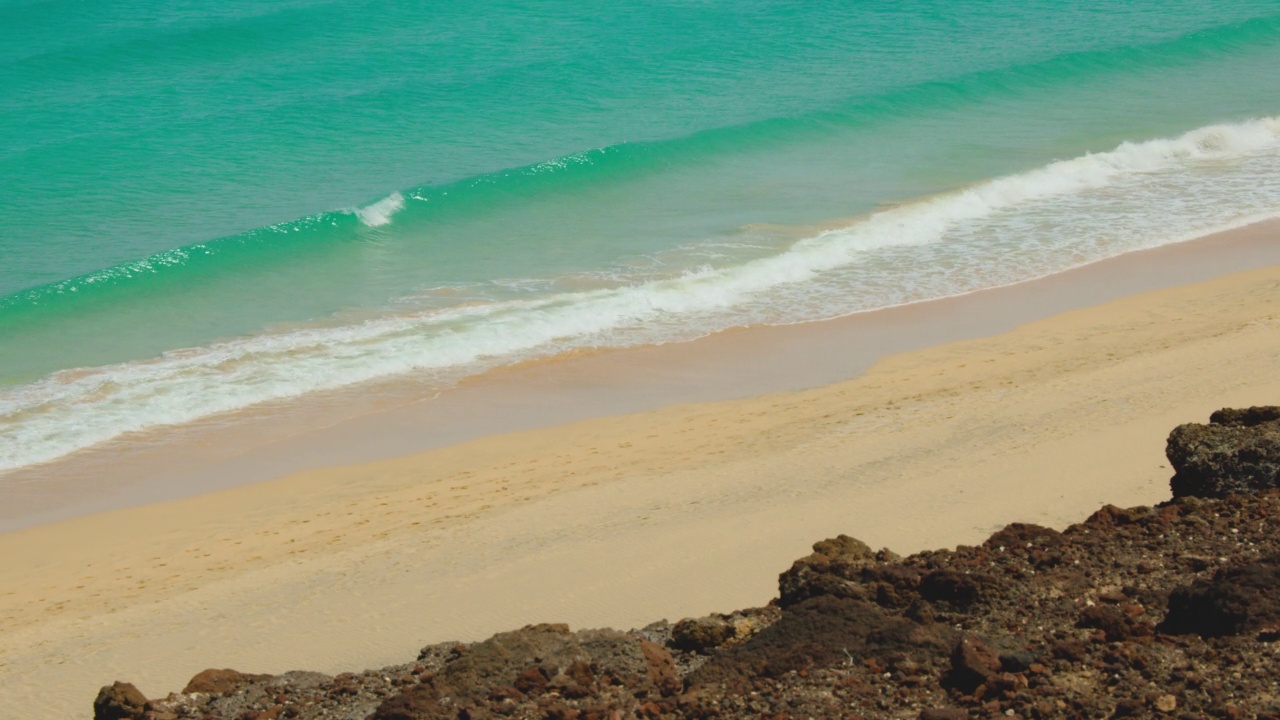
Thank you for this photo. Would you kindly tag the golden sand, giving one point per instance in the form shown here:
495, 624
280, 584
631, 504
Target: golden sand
623, 520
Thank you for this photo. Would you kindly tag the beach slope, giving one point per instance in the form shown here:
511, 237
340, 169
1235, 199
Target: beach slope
623, 520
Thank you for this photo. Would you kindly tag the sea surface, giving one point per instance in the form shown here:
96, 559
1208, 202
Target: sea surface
212, 206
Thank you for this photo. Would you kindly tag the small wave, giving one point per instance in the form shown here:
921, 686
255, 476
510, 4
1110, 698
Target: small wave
999, 231
379, 213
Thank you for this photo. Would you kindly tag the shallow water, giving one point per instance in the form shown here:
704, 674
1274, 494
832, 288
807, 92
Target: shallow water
209, 209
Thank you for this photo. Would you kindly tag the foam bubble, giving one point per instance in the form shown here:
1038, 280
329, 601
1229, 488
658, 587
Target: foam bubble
379, 213
996, 232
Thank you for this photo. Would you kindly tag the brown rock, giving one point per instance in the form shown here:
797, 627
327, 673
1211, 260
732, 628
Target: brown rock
826, 572
1237, 452
119, 701
531, 681
944, 714
960, 590
1070, 650
1240, 599
821, 632
662, 668
413, 703
581, 673
972, 664
702, 634
1115, 624
220, 682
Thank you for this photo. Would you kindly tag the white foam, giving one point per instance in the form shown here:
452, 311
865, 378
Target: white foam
379, 213
996, 232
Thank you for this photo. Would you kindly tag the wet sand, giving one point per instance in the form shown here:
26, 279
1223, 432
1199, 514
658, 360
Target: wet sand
624, 519
396, 418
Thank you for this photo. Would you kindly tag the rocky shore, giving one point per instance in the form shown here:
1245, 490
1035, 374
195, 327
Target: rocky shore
1166, 611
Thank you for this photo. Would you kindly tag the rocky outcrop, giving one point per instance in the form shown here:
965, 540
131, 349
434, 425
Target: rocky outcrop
119, 701
1243, 598
1238, 451
1167, 611
221, 681
536, 662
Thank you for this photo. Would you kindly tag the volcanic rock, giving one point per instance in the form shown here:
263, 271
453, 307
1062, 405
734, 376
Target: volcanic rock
1240, 599
702, 634
220, 681
1167, 611
119, 701
1238, 451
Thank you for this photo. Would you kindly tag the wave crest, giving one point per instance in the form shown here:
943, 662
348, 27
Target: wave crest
379, 213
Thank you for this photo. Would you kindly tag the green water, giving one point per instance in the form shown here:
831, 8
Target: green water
208, 208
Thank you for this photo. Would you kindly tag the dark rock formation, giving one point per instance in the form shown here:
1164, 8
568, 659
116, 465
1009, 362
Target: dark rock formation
220, 681
1240, 599
119, 701
702, 634
1238, 451
1167, 611
973, 664
820, 632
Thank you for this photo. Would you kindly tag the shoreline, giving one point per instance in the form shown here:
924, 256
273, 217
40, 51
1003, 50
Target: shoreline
626, 519
377, 421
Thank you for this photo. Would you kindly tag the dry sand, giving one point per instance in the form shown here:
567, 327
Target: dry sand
624, 520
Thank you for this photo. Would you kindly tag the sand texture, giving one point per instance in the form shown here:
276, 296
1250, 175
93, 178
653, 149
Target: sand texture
624, 520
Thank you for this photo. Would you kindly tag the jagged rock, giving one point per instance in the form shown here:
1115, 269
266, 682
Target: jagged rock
1114, 624
220, 681
119, 701
960, 590
1238, 451
820, 632
534, 661
416, 703
1246, 417
972, 664
531, 681
702, 634
819, 573
1020, 536
661, 667
1237, 600
868, 634
845, 567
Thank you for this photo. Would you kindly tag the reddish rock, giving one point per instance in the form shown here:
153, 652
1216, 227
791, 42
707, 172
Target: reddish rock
220, 681
944, 714
960, 590
1116, 624
531, 681
662, 668
701, 634
1240, 599
119, 701
972, 664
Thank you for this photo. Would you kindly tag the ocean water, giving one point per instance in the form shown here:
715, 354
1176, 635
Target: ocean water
210, 206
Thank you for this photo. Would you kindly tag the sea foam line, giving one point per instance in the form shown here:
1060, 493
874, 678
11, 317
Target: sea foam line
379, 213
74, 409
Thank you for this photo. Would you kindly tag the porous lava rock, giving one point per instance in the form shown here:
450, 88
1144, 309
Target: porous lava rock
1168, 611
821, 632
220, 681
1244, 598
702, 634
119, 701
1237, 452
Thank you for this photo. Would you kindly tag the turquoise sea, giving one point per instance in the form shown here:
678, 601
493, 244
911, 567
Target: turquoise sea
207, 206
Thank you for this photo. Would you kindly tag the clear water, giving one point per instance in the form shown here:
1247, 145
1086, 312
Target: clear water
204, 208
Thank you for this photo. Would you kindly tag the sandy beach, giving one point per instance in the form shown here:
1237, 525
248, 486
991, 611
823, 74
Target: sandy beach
679, 510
